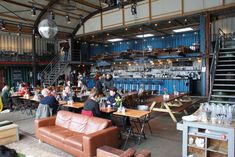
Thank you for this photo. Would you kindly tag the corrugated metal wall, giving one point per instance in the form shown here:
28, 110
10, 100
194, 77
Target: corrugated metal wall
226, 24
25, 71
186, 39
23, 43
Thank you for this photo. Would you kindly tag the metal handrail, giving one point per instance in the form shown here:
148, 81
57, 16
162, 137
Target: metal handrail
50, 65
219, 39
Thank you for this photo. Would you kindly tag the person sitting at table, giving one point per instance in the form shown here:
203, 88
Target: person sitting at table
6, 96
23, 90
49, 100
83, 88
66, 94
91, 103
113, 95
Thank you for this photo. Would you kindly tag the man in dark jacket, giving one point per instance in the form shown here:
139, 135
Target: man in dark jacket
108, 83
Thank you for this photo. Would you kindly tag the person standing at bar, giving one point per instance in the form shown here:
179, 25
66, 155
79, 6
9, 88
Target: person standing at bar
108, 83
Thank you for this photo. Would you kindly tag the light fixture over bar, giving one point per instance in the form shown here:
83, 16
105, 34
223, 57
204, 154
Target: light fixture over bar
115, 40
183, 30
144, 35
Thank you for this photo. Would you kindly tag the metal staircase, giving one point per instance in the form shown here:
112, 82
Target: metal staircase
53, 70
222, 89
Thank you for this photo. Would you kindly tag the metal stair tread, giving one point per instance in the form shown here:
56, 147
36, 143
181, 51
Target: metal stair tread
230, 85
226, 56
225, 74
227, 49
224, 79
226, 61
223, 90
225, 65
224, 102
227, 52
223, 96
225, 69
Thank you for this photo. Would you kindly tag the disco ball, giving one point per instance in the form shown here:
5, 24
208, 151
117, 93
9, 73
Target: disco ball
47, 28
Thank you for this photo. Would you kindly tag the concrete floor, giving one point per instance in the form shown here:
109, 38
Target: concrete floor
164, 142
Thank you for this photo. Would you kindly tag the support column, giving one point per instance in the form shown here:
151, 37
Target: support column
208, 44
34, 59
203, 51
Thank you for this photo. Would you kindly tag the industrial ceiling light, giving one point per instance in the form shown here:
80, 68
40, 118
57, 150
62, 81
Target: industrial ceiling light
33, 11
133, 8
144, 35
52, 15
68, 19
19, 27
183, 30
3, 25
115, 40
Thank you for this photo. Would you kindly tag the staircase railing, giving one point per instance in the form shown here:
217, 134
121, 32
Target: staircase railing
53, 70
50, 66
218, 44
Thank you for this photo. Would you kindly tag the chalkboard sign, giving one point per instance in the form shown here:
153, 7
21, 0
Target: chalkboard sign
17, 75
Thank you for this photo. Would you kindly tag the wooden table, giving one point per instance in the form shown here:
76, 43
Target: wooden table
76, 105
175, 104
137, 114
132, 113
107, 110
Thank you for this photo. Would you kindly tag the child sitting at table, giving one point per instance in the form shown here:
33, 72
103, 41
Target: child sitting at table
113, 95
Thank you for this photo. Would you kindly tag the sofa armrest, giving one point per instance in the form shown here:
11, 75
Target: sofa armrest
106, 151
143, 153
50, 121
108, 136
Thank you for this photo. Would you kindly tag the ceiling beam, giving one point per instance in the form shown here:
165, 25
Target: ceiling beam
21, 4
79, 9
156, 30
88, 4
97, 12
15, 17
63, 12
45, 9
16, 11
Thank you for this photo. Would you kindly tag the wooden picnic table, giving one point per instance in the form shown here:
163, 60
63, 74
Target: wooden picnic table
175, 104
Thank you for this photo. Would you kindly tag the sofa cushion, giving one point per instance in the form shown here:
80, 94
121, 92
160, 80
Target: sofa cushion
75, 141
95, 124
62, 134
78, 123
63, 118
48, 130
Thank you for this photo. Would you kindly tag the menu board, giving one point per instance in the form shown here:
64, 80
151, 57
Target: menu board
17, 75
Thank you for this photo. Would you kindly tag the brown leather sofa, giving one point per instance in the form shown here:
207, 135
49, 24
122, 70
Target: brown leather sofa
77, 134
106, 151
